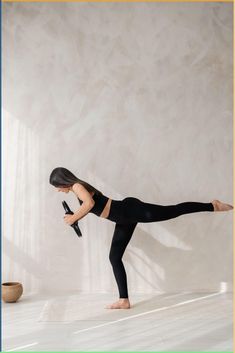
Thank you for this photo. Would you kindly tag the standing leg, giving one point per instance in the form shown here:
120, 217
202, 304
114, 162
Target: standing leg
121, 237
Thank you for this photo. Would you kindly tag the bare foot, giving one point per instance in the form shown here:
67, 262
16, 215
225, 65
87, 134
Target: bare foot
220, 206
122, 303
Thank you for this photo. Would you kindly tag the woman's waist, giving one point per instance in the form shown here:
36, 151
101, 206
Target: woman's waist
116, 210
106, 210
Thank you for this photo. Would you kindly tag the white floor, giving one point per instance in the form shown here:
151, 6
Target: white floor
200, 322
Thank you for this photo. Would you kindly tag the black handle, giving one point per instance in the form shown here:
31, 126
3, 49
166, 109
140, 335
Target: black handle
75, 224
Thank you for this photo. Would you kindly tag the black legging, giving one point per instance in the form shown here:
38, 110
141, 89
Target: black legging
126, 214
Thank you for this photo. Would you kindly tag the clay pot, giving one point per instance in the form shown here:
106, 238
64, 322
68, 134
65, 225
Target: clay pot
11, 291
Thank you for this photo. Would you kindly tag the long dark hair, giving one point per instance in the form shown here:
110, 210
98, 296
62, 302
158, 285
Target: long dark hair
62, 177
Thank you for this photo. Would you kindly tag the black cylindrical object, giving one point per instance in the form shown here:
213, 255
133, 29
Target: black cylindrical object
75, 224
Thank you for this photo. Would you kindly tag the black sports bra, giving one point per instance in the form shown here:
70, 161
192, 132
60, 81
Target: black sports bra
100, 202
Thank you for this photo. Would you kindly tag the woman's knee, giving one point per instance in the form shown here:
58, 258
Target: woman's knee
115, 258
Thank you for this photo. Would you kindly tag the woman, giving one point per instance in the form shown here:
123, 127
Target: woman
125, 214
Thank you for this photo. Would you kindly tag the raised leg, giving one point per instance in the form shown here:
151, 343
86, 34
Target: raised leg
136, 210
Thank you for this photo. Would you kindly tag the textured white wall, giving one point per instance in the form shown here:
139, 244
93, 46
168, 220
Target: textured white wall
136, 99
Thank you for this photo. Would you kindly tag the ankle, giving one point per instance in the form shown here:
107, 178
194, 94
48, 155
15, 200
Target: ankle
214, 203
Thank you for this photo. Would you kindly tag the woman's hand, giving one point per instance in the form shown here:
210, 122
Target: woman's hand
69, 219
